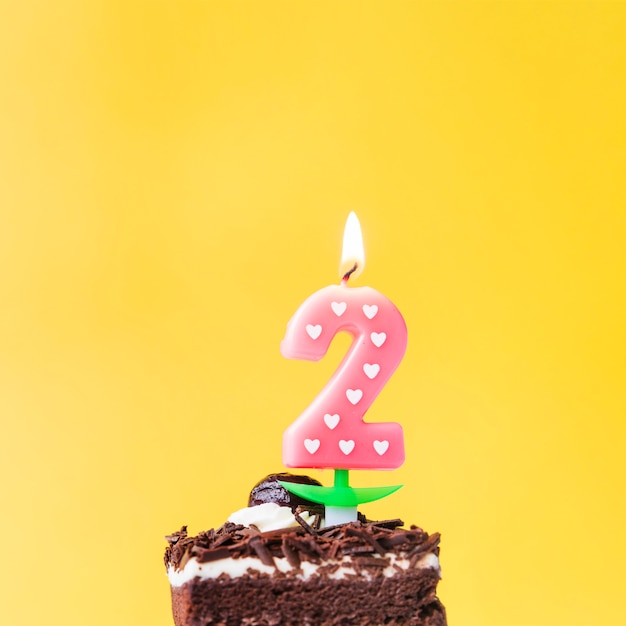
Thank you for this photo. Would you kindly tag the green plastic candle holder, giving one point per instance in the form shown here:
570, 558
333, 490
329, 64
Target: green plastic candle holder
340, 494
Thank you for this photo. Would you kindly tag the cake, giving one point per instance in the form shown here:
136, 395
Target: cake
275, 564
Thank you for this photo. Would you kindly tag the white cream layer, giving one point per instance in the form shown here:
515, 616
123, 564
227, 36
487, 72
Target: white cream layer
238, 567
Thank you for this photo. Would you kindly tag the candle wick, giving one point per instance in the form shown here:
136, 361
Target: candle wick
346, 276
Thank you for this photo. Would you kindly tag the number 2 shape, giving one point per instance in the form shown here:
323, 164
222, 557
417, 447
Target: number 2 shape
331, 433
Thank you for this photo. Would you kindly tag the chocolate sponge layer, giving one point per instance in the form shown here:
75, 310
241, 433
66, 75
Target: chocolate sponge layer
407, 598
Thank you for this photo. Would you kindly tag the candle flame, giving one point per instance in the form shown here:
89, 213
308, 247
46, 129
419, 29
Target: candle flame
352, 255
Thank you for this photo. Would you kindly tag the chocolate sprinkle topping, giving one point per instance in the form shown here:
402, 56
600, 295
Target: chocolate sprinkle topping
358, 539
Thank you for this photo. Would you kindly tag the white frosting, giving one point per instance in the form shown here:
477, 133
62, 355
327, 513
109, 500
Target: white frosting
238, 567
267, 516
271, 516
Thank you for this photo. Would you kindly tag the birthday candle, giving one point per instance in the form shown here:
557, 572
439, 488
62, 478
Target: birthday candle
331, 432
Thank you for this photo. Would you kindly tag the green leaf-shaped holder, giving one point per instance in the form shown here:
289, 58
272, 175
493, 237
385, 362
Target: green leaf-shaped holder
340, 494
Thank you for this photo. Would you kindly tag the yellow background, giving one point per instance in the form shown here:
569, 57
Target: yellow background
174, 181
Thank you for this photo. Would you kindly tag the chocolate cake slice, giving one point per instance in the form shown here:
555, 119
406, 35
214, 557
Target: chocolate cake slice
353, 574
272, 565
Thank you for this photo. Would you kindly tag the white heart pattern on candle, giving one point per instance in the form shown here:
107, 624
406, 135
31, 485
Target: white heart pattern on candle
378, 339
346, 446
313, 331
381, 447
371, 370
339, 308
370, 310
312, 445
354, 395
331, 420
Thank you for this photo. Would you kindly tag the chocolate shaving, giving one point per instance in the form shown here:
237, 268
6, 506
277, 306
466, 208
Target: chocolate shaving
391, 524
357, 549
290, 553
260, 548
366, 537
174, 538
206, 556
430, 545
304, 543
305, 525
370, 561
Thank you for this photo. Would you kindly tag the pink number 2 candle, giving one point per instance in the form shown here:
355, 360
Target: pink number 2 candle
331, 432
